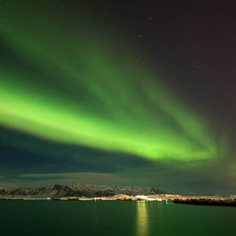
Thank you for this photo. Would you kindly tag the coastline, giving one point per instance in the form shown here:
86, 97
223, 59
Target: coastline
164, 198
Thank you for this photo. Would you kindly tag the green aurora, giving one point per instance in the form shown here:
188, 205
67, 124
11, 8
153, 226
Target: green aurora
73, 84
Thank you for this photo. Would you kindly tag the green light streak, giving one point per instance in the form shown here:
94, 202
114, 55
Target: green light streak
79, 93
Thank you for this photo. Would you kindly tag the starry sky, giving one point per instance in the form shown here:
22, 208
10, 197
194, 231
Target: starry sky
138, 93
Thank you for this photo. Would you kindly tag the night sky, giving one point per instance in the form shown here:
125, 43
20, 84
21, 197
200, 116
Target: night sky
137, 93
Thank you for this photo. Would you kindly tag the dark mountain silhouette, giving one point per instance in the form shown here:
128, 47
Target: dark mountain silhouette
79, 190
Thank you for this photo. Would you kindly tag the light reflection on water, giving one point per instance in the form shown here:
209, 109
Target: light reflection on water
116, 218
142, 219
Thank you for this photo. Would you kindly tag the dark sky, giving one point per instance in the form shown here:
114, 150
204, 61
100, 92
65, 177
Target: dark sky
119, 93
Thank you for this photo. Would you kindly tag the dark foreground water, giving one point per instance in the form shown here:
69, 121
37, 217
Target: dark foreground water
114, 218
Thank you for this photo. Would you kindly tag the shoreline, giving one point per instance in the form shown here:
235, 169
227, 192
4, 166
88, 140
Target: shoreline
163, 198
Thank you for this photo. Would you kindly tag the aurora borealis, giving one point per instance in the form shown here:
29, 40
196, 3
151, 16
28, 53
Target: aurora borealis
69, 81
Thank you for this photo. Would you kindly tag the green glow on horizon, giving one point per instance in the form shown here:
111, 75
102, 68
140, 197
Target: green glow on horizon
84, 96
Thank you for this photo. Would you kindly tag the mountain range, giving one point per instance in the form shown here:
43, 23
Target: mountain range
77, 190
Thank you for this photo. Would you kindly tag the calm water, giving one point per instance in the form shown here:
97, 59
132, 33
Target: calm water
114, 218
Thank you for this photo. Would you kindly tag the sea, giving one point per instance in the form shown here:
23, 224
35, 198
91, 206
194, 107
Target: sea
114, 218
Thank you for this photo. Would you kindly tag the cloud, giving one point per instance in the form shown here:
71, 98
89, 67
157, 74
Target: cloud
86, 177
